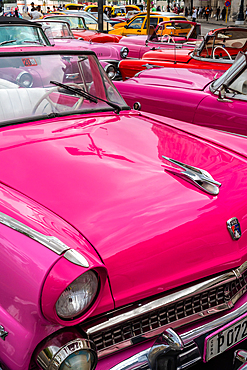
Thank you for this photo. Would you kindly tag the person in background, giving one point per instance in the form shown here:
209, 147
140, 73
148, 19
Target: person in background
48, 9
194, 15
217, 13
16, 12
186, 12
207, 12
223, 13
54, 8
158, 8
36, 14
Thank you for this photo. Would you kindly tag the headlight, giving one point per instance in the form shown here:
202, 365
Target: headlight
65, 351
124, 52
24, 79
110, 71
78, 296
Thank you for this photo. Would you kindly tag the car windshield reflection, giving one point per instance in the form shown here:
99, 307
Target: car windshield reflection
27, 87
21, 35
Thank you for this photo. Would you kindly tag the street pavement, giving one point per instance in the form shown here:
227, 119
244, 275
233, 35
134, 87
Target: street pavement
212, 23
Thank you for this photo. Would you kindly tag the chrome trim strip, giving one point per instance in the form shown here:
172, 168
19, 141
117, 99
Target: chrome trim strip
50, 242
187, 337
172, 298
221, 321
75, 257
135, 362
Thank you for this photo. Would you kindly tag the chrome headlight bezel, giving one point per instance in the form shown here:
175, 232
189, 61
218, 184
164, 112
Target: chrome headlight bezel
62, 346
124, 52
24, 79
111, 71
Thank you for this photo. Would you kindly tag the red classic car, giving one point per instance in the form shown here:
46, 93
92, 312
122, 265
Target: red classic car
81, 31
218, 50
140, 44
123, 233
202, 97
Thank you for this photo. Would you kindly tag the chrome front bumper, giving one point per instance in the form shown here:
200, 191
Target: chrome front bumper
186, 348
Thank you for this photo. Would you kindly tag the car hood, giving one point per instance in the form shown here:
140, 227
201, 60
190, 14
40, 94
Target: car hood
137, 40
106, 177
194, 79
101, 50
180, 55
95, 36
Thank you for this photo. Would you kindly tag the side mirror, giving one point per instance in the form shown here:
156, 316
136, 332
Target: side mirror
126, 26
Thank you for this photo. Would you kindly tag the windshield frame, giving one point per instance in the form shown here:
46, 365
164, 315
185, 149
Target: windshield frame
230, 74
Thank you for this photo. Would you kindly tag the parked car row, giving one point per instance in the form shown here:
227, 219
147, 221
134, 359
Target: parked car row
122, 231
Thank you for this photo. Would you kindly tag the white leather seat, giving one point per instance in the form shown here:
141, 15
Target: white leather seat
19, 103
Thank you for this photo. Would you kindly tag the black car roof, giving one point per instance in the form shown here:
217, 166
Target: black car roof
16, 20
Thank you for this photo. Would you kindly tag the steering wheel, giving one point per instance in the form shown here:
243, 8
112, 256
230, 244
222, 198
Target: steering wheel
76, 106
220, 47
168, 37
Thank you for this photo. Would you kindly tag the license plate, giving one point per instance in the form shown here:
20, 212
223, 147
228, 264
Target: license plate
225, 337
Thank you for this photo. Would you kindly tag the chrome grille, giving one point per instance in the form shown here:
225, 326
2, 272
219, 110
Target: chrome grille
161, 317
212, 296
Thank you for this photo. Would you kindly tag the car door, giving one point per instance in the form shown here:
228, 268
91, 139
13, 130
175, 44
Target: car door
227, 114
134, 27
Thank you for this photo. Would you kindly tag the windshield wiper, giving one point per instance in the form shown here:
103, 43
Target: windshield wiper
34, 42
86, 95
7, 42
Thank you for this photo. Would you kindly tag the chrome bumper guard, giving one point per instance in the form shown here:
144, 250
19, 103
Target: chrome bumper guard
187, 349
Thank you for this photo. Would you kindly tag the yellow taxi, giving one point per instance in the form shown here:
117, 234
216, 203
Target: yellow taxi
138, 24
116, 11
72, 6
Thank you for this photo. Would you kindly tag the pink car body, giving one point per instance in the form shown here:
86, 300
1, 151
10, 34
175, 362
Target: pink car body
122, 235
109, 54
200, 97
138, 45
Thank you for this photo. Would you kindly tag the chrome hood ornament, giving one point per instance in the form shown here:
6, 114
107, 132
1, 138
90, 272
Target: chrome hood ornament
196, 176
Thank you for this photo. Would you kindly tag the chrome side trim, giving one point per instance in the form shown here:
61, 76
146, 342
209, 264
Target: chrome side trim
50, 242
75, 257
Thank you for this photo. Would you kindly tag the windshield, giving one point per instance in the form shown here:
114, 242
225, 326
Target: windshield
56, 30
21, 35
231, 73
225, 44
27, 88
74, 22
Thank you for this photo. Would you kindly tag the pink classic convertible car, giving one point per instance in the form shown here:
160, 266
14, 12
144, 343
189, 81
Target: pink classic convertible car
123, 234
196, 96
109, 54
140, 44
